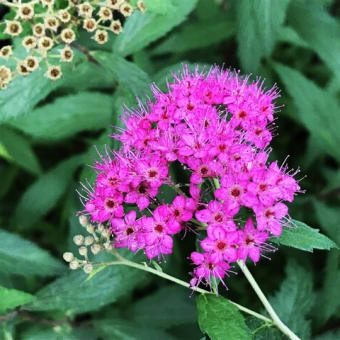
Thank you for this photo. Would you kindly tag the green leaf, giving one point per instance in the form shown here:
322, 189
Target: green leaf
259, 23
24, 93
15, 148
158, 6
218, 318
44, 193
143, 28
18, 256
169, 306
72, 293
317, 110
295, 299
299, 235
331, 335
11, 298
124, 72
319, 29
114, 328
196, 35
61, 332
329, 219
67, 116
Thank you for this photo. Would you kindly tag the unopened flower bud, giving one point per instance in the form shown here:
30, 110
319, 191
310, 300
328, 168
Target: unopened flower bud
108, 245
22, 68
74, 265
101, 37
51, 23
126, 10
32, 63
83, 220
68, 257
114, 4
83, 251
88, 240
64, 16
29, 42
116, 27
48, 3
90, 229
85, 10
38, 30
78, 240
141, 6
95, 248
88, 268
13, 28
100, 228
53, 73
105, 13
26, 12
90, 25
67, 36
6, 52
106, 233
66, 54
45, 43
5, 75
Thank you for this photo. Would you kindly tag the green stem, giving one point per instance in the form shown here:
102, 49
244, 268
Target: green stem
148, 269
276, 320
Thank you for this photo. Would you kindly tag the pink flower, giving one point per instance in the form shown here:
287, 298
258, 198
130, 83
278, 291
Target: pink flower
250, 242
182, 209
221, 244
207, 267
217, 214
128, 232
213, 126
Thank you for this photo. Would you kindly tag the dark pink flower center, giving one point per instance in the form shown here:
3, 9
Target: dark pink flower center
159, 228
221, 245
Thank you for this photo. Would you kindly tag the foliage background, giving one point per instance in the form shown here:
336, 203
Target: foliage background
47, 133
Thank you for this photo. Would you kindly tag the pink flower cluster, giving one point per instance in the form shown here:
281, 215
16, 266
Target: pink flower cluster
217, 127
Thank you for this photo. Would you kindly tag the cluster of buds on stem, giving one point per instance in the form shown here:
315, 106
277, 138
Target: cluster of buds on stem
98, 239
44, 25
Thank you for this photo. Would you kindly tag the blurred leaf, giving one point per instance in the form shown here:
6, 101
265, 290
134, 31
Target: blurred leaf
18, 256
159, 6
142, 29
258, 25
329, 219
125, 72
128, 330
299, 235
67, 116
169, 306
317, 109
43, 194
60, 332
288, 34
72, 293
295, 299
319, 29
262, 331
24, 93
15, 148
218, 317
197, 35
331, 335
11, 298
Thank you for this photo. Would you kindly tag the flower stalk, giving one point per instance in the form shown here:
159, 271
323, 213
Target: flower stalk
276, 320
